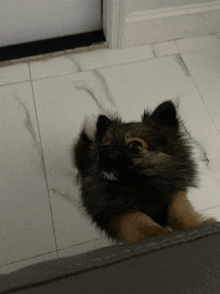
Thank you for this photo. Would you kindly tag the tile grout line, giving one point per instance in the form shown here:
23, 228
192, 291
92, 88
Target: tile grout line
50, 252
215, 35
108, 66
209, 208
43, 160
102, 67
26, 259
82, 243
200, 95
56, 251
95, 69
10, 84
153, 51
91, 69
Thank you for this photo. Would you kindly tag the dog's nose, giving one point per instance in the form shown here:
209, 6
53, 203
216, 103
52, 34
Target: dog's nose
110, 153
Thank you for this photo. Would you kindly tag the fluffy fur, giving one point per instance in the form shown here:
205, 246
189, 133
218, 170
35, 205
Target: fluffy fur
132, 175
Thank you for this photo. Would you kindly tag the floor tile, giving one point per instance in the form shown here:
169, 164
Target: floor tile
164, 48
62, 104
14, 73
204, 66
6, 269
72, 225
129, 84
86, 247
26, 226
197, 43
53, 67
212, 212
110, 57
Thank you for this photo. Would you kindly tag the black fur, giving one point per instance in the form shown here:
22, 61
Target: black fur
146, 184
103, 124
165, 114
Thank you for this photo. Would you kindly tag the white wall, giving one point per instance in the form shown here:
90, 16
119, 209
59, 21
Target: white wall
134, 5
30, 20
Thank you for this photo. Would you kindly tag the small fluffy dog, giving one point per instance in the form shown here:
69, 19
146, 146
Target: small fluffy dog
134, 176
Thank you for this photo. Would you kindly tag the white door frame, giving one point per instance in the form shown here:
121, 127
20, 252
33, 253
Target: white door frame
123, 29
114, 22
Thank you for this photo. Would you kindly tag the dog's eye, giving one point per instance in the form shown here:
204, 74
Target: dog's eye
136, 147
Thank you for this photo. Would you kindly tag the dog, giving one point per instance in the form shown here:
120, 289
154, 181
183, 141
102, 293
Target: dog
134, 176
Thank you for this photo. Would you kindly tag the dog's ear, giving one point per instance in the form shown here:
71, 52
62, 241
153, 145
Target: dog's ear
102, 125
165, 114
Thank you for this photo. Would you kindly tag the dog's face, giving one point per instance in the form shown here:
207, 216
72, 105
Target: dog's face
150, 145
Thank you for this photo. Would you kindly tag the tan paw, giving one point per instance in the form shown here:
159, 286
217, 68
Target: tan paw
210, 220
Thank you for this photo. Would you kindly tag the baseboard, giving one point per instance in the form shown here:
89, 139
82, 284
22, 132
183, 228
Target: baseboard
51, 45
151, 26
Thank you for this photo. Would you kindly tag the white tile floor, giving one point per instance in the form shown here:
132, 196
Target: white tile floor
42, 106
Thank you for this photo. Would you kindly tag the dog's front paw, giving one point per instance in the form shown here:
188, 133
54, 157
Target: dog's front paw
210, 220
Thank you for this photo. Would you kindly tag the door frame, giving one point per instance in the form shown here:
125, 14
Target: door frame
114, 22
124, 30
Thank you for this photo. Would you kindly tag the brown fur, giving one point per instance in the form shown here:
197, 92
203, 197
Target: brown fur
181, 214
134, 226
